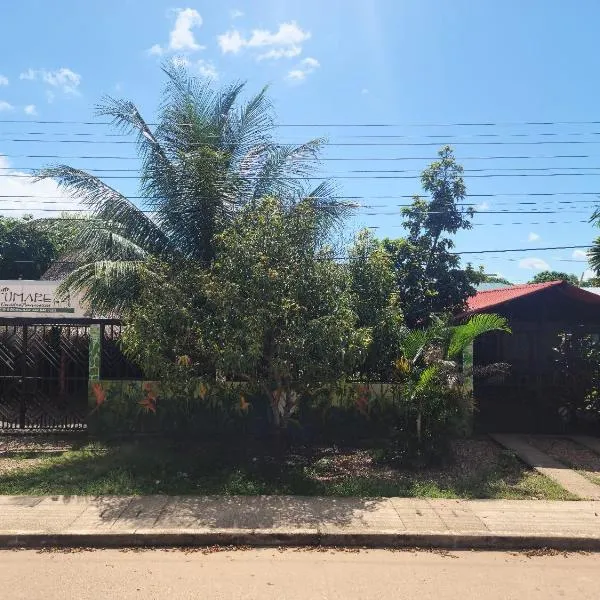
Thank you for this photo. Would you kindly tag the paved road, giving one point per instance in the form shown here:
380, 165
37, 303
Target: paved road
290, 574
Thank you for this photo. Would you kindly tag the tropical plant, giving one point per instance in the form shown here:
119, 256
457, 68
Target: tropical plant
576, 371
273, 310
208, 156
430, 369
594, 253
429, 276
376, 303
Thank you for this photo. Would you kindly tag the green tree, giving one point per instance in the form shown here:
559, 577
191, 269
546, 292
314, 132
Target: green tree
594, 253
376, 303
429, 276
545, 276
26, 252
208, 156
591, 282
274, 310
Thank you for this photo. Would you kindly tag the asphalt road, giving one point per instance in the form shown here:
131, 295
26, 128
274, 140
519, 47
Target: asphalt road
291, 574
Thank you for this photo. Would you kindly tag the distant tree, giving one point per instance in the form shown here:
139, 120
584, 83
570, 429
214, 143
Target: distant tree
545, 276
429, 275
25, 250
494, 279
591, 282
594, 253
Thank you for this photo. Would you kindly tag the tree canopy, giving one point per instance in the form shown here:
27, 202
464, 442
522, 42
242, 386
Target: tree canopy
429, 276
545, 276
209, 156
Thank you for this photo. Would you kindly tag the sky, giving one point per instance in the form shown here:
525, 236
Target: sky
511, 85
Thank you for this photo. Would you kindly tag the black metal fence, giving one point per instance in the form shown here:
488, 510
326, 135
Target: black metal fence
113, 363
43, 375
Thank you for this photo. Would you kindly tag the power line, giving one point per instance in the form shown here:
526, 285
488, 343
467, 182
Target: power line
378, 171
455, 124
330, 144
341, 176
348, 158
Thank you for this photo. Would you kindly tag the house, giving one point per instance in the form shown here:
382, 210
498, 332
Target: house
525, 400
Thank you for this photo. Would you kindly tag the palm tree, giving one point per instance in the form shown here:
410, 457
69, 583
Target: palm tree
207, 156
428, 365
594, 253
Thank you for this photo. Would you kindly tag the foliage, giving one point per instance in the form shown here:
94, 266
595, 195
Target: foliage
274, 310
431, 374
577, 376
428, 275
594, 252
207, 158
591, 282
545, 276
376, 304
26, 251
495, 279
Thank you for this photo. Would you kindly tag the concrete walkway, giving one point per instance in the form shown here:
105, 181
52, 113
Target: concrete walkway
292, 520
563, 475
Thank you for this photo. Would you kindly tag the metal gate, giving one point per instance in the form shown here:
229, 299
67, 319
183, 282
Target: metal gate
43, 376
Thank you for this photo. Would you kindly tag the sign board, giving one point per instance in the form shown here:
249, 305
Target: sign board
37, 299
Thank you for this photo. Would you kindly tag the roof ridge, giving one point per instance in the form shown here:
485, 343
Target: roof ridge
521, 286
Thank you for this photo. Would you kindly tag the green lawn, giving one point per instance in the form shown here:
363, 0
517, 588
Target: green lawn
477, 469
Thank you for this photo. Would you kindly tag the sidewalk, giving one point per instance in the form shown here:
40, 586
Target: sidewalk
112, 521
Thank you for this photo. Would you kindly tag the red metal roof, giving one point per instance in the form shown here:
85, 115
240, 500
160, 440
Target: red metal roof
491, 298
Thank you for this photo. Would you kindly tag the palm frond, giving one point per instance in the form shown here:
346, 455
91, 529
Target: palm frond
284, 168
109, 287
102, 238
427, 378
463, 335
594, 256
109, 205
412, 343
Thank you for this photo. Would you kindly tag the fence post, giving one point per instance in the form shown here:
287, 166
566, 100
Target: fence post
95, 352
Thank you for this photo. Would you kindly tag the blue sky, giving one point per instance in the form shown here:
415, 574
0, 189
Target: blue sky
419, 65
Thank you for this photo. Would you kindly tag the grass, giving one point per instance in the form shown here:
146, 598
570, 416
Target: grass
476, 469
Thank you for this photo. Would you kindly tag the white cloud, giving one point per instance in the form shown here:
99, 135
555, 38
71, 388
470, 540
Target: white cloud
231, 41
579, 255
286, 42
280, 53
288, 34
364, 91
181, 37
50, 95
533, 237
156, 50
5, 106
588, 274
3, 80
306, 67
29, 74
23, 195
535, 264
63, 79
235, 13
207, 69
483, 206
30, 109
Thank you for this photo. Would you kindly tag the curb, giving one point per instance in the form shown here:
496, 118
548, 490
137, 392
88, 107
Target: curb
266, 538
